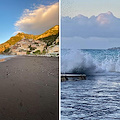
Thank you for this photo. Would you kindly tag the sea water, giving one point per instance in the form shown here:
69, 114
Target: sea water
98, 97
5, 56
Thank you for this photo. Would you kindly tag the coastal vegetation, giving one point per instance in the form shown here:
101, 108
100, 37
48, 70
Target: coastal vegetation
37, 52
50, 39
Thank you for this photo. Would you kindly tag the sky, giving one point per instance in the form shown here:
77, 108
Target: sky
89, 7
90, 24
29, 16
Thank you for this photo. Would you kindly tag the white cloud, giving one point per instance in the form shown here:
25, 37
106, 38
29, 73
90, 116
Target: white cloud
16, 32
39, 20
104, 25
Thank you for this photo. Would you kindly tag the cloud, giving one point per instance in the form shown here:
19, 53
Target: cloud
104, 25
39, 20
16, 32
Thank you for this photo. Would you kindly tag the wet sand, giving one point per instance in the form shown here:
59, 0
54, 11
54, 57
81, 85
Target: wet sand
29, 88
2, 60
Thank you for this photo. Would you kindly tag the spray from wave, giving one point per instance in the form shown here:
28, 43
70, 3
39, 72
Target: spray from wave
83, 63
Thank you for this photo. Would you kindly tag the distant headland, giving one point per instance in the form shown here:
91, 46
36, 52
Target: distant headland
113, 48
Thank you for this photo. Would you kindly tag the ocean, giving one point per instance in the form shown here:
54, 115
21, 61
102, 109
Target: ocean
96, 98
5, 56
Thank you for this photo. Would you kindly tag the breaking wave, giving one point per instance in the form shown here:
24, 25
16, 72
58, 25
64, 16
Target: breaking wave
83, 62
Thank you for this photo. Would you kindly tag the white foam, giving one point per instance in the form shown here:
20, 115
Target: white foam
81, 62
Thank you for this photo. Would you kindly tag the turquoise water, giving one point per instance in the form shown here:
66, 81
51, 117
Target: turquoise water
97, 97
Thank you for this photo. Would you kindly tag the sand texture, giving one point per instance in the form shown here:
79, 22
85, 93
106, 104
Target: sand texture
29, 88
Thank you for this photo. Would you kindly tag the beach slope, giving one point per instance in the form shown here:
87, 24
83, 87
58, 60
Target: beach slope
29, 88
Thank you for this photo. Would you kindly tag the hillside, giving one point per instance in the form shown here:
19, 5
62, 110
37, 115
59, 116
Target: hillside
51, 33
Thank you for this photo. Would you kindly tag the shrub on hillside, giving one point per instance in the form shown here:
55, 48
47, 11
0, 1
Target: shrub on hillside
28, 52
32, 48
7, 50
37, 52
50, 39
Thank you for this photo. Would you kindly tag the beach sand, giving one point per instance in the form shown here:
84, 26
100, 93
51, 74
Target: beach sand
29, 88
2, 60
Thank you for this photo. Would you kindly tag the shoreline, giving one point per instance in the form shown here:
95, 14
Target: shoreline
12, 56
29, 88
6, 58
2, 60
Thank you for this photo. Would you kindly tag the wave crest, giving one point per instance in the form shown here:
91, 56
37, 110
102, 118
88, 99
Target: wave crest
83, 63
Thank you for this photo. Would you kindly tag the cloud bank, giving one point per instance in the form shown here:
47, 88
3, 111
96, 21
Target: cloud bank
38, 20
104, 25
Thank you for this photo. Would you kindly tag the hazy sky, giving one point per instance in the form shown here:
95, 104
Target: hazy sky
90, 24
90, 7
26, 16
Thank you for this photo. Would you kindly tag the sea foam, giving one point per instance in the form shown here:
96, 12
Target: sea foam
83, 62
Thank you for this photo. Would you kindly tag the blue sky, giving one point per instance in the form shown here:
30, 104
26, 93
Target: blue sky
12, 10
90, 24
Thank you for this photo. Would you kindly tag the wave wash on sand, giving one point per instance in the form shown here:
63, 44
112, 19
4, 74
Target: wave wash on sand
5, 57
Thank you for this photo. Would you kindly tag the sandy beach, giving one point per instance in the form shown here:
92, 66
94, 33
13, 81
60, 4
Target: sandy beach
29, 88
